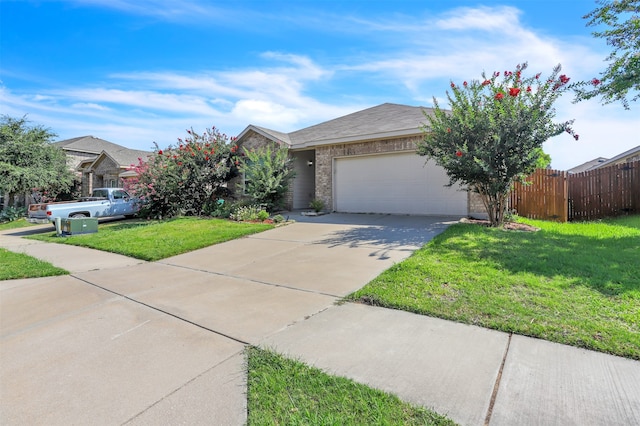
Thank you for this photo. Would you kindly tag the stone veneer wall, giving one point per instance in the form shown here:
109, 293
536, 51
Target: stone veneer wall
476, 206
107, 170
326, 154
74, 158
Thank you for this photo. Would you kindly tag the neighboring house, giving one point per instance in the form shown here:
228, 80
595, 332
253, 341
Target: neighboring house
99, 163
366, 162
626, 157
587, 166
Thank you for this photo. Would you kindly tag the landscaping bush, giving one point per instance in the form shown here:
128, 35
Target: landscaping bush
268, 173
263, 215
187, 179
317, 205
247, 213
12, 213
220, 208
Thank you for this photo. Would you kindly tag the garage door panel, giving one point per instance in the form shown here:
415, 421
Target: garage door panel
395, 183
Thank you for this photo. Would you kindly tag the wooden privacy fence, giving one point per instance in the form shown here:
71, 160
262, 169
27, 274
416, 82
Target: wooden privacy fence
595, 194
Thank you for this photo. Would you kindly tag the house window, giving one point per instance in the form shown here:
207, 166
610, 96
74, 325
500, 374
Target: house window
245, 178
112, 183
245, 182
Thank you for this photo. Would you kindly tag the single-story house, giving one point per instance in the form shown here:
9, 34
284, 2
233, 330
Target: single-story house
587, 165
99, 163
366, 162
628, 156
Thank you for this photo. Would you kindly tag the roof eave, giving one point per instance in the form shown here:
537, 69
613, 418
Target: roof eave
611, 161
261, 132
360, 138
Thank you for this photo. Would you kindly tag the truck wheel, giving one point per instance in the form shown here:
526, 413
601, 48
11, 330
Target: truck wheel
78, 216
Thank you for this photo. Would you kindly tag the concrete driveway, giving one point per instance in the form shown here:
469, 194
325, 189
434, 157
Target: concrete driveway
127, 342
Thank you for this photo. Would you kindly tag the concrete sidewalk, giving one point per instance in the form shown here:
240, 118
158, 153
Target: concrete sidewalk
456, 369
124, 341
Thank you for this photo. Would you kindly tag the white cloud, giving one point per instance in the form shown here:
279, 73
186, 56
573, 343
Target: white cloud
168, 10
499, 19
413, 60
90, 105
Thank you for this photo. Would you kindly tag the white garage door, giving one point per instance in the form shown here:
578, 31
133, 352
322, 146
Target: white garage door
395, 183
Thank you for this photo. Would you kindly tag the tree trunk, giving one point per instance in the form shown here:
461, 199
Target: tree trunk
495, 204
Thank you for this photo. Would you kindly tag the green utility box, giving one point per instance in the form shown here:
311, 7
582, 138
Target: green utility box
86, 225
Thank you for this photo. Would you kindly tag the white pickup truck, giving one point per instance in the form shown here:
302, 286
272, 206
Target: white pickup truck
103, 202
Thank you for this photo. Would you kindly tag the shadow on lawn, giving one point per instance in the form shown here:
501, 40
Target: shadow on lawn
608, 265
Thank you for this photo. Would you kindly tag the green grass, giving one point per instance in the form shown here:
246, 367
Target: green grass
155, 240
14, 266
572, 283
20, 223
284, 391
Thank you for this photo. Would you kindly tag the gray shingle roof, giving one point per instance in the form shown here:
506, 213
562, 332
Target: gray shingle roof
92, 145
126, 157
586, 166
378, 122
274, 134
88, 144
386, 120
613, 160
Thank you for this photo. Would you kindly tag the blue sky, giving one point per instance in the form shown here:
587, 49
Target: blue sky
135, 72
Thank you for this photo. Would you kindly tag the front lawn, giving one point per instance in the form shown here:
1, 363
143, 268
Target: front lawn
283, 391
19, 265
155, 240
572, 283
20, 223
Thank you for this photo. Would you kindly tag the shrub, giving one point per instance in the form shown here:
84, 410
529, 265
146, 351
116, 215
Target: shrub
268, 173
12, 213
317, 205
220, 208
263, 215
247, 213
278, 218
187, 179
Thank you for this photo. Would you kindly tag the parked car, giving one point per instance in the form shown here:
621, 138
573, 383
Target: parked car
103, 202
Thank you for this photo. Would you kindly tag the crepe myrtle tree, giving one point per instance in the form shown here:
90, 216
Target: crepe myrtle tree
494, 132
619, 21
187, 179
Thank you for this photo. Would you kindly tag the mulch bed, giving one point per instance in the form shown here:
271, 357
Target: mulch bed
511, 226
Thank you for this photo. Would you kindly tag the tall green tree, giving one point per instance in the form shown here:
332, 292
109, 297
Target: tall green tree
494, 132
268, 171
620, 20
28, 161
